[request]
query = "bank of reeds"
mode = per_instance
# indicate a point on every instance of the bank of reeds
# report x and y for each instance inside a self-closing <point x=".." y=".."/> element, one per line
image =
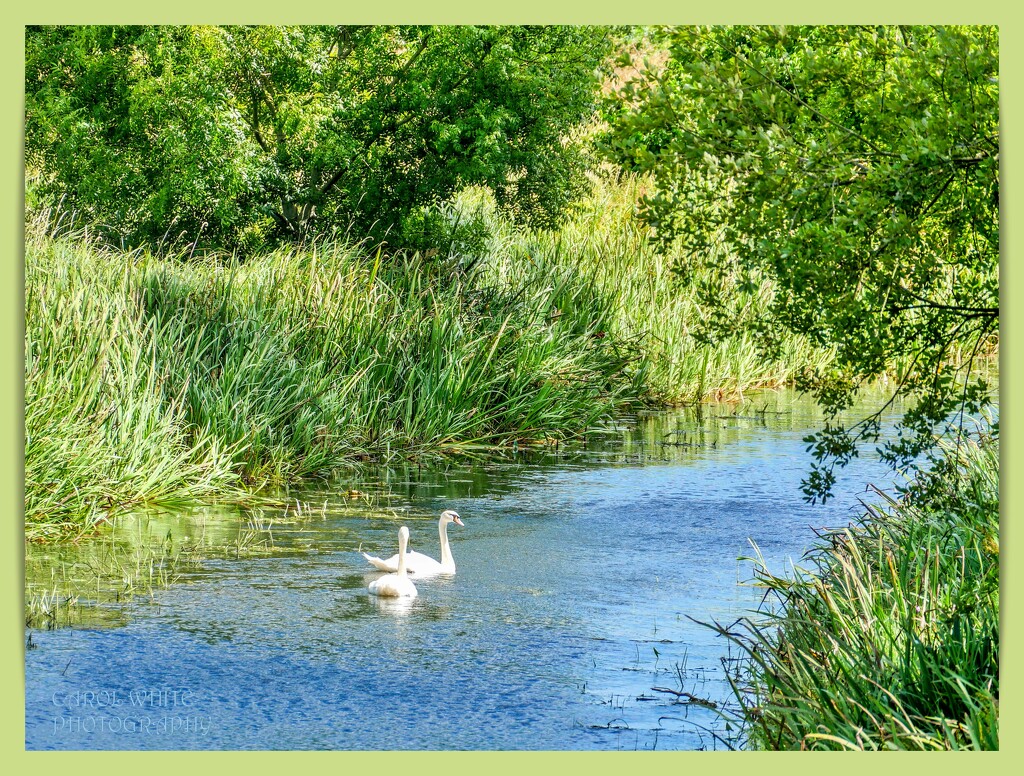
<point x="154" y="381"/>
<point x="181" y="379"/>
<point x="889" y="639"/>
<point x="650" y="299"/>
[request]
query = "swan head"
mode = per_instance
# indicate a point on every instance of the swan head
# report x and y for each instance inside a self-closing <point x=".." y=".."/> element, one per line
<point x="451" y="516"/>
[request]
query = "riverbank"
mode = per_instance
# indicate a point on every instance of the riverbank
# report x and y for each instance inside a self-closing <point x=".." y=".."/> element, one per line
<point x="889" y="637"/>
<point x="156" y="381"/>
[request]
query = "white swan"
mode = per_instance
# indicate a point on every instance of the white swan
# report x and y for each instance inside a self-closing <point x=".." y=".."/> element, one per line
<point x="423" y="565"/>
<point x="397" y="585"/>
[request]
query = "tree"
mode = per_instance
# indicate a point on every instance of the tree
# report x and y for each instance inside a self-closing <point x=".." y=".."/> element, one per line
<point x="245" y="136"/>
<point x="856" y="168"/>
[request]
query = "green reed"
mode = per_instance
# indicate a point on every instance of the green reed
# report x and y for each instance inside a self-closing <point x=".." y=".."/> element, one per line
<point x="890" y="638"/>
<point x="171" y="380"/>
<point x="152" y="381"/>
<point x="651" y="301"/>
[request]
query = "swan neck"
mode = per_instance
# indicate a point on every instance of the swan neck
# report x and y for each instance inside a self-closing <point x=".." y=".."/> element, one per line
<point x="401" y="555"/>
<point x="446" y="551"/>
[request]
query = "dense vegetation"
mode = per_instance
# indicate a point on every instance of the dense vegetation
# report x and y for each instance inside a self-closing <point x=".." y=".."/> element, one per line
<point x="858" y="168"/>
<point x="889" y="637"/>
<point x="153" y="381"/>
<point x="241" y="138"/>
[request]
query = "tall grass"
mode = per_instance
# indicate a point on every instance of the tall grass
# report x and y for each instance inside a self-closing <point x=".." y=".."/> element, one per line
<point x="103" y="427"/>
<point x="891" y="640"/>
<point x="650" y="300"/>
<point x="164" y="380"/>
<point x="154" y="381"/>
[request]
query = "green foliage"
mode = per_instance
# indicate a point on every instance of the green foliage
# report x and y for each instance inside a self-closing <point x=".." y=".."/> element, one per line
<point x="605" y="245"/>
<point x="151" y="380"/>
<point x="892" y="641"/>
<point x="102" y="426"/>
<point x="858" y="167"/>
<point x="158" y="382"/>
<point x="449" y="230"/>
<point x="237" y="138"/>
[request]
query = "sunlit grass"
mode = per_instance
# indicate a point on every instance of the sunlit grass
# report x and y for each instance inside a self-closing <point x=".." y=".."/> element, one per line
<point x="151" y="381"/>
<point x="652" y="299"/>
<point x="890" y="638"/>
<point x="167" y="381"/>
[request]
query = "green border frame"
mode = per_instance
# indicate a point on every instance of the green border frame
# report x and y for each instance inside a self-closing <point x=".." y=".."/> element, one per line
<point x="1000" y="12"/>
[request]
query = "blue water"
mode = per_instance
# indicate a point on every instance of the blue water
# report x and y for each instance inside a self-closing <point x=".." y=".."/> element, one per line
<point x="577" y="581"/>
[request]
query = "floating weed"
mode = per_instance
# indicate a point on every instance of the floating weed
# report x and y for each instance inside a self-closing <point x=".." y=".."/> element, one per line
<point x="50" y="609"/>
<point x="99" y="584"/>
<point x="97" y="581"/>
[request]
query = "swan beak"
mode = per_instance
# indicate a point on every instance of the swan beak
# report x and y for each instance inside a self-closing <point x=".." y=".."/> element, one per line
<point x="458" y="521"/>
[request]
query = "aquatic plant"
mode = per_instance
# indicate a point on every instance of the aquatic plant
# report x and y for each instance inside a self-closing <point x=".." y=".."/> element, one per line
<point x="179" y="380"/>
<point x="160" y="382"/>
<point x="889" y="639"/>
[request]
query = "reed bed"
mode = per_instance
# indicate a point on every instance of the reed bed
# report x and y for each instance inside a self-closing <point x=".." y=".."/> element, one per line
<point x="889" y="639"/>
<point x="161" y="381"/>
<point x="654" y="298"/>
<point x="150" y="381"/>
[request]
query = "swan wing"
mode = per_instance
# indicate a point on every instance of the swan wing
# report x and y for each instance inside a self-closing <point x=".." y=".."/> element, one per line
<point x="390" y="565"/>
<point x="416" y="563"/>
<point x="422" y="565"/>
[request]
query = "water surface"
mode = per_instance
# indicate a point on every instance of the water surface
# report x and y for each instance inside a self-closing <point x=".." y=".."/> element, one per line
<point x="580" y="575"/>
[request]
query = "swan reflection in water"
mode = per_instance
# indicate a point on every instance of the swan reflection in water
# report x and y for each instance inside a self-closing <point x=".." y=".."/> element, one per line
<point x="399" y="606"/>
